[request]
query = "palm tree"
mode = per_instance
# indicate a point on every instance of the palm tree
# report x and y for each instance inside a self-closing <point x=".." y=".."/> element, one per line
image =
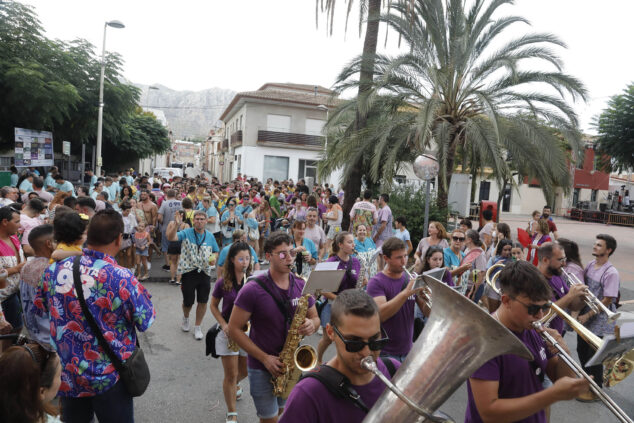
<point x="372" y="10"/>
<point x="461" y="89"/>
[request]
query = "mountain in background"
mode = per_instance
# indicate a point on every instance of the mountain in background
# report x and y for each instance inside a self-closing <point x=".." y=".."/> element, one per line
<point x="189" y="114"/>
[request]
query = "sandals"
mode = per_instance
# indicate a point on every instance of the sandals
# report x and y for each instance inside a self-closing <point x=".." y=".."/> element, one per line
<point x="232" y="414"/>
<point x="239" y="393"/>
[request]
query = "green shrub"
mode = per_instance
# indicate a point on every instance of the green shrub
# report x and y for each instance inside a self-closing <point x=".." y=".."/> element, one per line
<point x="409" y="202"/>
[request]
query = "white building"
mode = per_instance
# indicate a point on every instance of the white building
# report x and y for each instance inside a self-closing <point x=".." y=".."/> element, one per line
<point x="275" y="132"/>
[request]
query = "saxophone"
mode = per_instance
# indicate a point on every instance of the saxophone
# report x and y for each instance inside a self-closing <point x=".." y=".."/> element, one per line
<point x="295" y="358"/>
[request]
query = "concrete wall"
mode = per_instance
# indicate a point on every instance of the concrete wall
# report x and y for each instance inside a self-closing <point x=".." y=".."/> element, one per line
<point x="252" y="161"/>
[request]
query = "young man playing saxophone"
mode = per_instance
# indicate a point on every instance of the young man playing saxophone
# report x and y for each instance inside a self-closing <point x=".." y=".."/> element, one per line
<point x="269" y="303"/>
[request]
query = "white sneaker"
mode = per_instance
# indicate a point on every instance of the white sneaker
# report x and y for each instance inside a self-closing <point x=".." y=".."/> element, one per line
<point x="198" y="333"/>
<point x="185" y="325"/>
<point x="149" y="265"/>
<point x="320" y="331"/>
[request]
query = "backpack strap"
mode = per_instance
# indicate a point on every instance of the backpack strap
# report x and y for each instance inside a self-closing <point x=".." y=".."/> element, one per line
<point x="337" y="384"/>
<point x="389" y="364"/>
<point x="283" y="308"/>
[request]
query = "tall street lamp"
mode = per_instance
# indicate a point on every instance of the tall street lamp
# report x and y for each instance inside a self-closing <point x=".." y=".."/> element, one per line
<point x="426" y="168"/>
<point x="118" y="25"/>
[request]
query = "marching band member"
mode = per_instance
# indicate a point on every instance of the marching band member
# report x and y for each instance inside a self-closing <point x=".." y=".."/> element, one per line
<point x="508" y="388"/>
<point x="342" y="247"/>
<point x="355" y="329"/>
<point x="393" y="293"/>
<point x="269" y="302"/>
<point x="226" y="288"/>
<point x="602" y="280"/>
<point x="551" y="259"/>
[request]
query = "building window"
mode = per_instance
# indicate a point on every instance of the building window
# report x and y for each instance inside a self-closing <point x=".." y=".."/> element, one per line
<point x="575" y="197"/>
<point x="485" y="189"/>
<point x="315" y="127"/>
<point x="278" y="123"/>
<point x="240" y="122"/>
<point x="593" y="195"/>
<point x="307" y="168"/>
<point x="276" y="168"/>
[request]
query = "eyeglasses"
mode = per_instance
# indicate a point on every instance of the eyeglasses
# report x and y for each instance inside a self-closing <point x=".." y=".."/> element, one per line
<point x="562" y="259"/>
<point x="231" y="205"/>
<point x="354" y="346"/>
<point x="284" y="254"/>
<point x="458" y="238"/>
<point x="533" y="309"/>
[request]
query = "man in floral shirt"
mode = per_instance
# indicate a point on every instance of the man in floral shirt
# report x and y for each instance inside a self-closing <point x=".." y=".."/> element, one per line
<point x="119" y="304"/>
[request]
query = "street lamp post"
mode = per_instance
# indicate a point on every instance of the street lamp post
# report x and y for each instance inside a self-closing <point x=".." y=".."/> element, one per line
<point x="426" y="168"/>
<point x="114" y="24"/>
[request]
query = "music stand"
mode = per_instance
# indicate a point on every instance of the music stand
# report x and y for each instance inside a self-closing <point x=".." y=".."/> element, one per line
<point x="323" y="281"/>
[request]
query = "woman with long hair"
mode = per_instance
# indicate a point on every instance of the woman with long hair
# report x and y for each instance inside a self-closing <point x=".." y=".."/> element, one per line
<point x="174" y="249"/>
<point x="126" y="194"/>
<point x="437" y="236"/>
<point x="30" y="377"/>
<point x="474" y="257"/>
<point x="342" y="250"/>
<point x="333" y="218"/>
<point x="539" y="237"/>
<point x="234" y="360"/>
<point x="57" y="200"/>
<point x="501" y="231"/>
<point x="307" y="254"/>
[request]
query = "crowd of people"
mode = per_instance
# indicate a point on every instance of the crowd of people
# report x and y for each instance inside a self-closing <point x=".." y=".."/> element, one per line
<point x="251" y="245"/>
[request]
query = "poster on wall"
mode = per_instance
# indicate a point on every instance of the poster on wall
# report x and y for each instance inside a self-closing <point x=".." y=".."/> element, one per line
<point x="33" y="148"/>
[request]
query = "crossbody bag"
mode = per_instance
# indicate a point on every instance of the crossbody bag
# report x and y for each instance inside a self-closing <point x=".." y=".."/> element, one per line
<point x="134" y="372"/>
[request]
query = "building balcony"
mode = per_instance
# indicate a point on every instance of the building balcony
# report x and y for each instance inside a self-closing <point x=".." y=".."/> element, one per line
<point x="289" y="140"/>
<point x="236" y="139"/>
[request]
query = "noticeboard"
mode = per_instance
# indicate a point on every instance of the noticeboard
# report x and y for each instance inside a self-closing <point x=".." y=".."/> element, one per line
<point x="33" y="148"/>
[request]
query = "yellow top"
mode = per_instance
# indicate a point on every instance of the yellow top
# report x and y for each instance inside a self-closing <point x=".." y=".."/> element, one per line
<point x="66" y="247"/>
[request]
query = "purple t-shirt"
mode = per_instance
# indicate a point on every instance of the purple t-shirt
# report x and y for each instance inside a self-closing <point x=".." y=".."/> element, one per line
<point x="399" y="327"/>
<point x="517" y="377"/>
<point x="560" y="289"/>
<point x="268" y="325"/>
<point x="227" y="297"/>
<point x="385" y="215"/>
<point x="350" y="278"/>
<point x="311" y="402"/>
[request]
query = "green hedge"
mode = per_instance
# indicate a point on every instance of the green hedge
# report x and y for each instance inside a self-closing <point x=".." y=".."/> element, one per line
<point x="409" y="201"/>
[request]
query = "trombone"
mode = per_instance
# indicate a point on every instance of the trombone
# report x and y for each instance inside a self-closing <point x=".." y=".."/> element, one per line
<point x="426" y="294"/>
<point x="591" y="300"/>
<point x="592" y="339"/>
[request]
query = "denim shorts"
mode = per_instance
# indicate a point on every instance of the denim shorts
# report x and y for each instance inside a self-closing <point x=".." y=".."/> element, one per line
<point x="267" y="406"/>
<point x="325" y="315"/>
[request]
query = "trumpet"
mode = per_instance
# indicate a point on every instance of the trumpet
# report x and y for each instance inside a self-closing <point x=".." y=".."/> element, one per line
<point x="592" y="339"/>
<point x="426" y="294"/>
<point x="590" y="299"/>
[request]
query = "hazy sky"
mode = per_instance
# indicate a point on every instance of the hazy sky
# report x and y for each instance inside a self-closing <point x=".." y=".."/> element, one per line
<point x="241" y="44"/>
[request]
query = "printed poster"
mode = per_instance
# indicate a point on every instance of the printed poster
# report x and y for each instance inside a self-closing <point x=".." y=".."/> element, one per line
<point x="33" y="148"/>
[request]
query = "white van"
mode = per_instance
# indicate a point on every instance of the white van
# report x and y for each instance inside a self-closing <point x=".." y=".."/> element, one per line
<point x="164" y="172"/>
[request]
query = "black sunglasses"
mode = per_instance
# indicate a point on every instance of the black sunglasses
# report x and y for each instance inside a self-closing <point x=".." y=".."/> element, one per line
<point x="458" y="238"/>
<point x="533" y="309"/>
<point x="356" y="346"/>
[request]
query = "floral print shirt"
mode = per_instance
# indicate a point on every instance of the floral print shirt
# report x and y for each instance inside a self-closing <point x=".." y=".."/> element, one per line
<point x="119" y="304"/>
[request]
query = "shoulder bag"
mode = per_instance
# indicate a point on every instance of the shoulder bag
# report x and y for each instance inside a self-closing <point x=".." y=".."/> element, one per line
<point x="134" y="372"/>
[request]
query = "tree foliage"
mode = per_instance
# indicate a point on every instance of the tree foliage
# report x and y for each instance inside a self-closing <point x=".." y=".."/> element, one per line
<point x="54" y="85"/>
<point x="616" y="132"/>
<point x="465" y="92"/>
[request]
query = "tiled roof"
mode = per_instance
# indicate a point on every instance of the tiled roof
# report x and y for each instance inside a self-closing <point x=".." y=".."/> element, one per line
<point x="289" y="93"/>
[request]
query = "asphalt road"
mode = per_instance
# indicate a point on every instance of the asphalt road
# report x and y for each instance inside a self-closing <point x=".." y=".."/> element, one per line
<point x="187" y="386"/>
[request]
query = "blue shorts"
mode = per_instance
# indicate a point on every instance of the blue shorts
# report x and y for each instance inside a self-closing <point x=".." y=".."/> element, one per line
<point x="13" y="311"/>
<point x="267" y="406"/>
<point x="143" y="252"/>
<point x="325" y="315"/>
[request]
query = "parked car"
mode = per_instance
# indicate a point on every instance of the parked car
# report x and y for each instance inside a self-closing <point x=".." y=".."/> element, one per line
<point x="164" y="172"/>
